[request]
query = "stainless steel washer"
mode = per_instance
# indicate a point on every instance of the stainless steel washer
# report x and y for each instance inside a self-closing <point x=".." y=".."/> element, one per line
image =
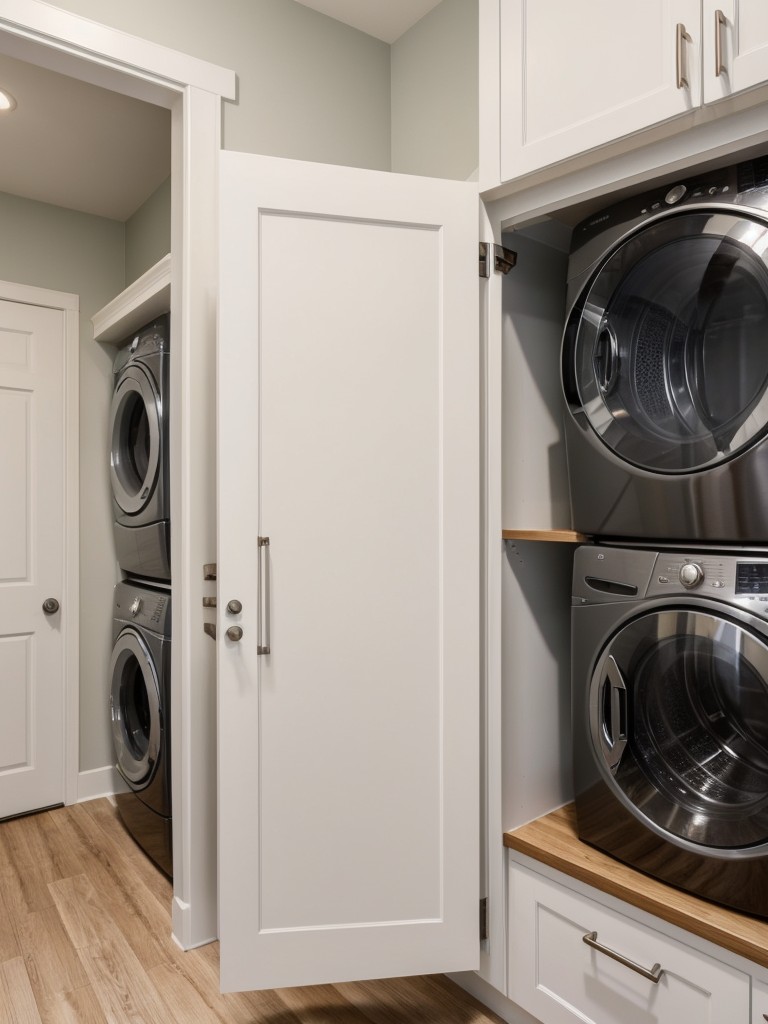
<point x="139" y="429"/>
<point x="140" y="705"/>
<point x="670" y="715"/>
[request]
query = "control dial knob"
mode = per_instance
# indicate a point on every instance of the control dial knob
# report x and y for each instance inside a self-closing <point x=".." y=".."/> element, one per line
<point x="136" y="606"/>
<point x="691" y="575"/>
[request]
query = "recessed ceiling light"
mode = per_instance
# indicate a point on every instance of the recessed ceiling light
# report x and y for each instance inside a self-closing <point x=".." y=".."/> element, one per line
<point x="7" y="102"/>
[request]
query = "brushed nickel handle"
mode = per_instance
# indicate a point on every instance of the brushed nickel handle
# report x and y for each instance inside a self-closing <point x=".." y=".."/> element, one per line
<point x="652" y="975"/>
<point x="235" y="634"/>
<point x="720" y="22"/>
<point x="681" y="37"/>
<point x="50" y="606"/>
<point x="263" y="612"/>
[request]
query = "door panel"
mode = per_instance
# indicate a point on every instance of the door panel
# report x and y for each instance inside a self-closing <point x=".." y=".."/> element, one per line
<point x="736" y="31"/>
<point x="31" y="556"/>
<point x="348" y="434"/>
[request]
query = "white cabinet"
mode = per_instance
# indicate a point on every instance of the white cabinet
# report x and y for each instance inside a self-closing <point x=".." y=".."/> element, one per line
<point x="759" y="1002"/>
<point x="735" y="46"/>
<point x="575" y="77"/>
<point x="559" y="977"/>
<point x="348" y="668"/>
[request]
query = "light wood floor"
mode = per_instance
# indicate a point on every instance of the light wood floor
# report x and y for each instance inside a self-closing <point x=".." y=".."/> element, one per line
<point x="85" y="939"/>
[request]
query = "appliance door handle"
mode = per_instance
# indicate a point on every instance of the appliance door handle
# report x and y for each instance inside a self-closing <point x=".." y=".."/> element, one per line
<point x="681" y="65"/>
<point x="606" y="359"/>
<point x="614" y="731"/>
<point x="720" y="22"/>
<point x="652" y="975"/>
<point x="262" y="639"/>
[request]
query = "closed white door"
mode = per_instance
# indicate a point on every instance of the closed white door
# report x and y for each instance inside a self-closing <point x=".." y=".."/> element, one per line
<point x="32" y="535"/>
<point x="575" y="76"/>
<point x="348" y="708"/>
<point x="735" y="54"/>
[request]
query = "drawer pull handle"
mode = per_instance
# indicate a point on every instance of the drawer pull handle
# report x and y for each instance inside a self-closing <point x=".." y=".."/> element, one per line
<point x="653" y="975"/>
<point x="681" y="38"/>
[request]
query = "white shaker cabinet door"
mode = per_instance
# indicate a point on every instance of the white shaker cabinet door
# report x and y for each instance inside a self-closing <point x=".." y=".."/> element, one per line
<point x="348" y="707"/>
<point x="735" y="55"/>
<point x="575" y="76"/>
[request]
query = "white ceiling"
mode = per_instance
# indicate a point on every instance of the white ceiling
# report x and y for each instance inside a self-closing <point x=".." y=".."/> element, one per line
<point x="384" y="19"/>
<point x="78" y="146"/>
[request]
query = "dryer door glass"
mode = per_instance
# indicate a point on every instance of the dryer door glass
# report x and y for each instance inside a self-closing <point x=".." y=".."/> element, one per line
<point x="693" y="758"/>
<point x="135" y="708"/>
<point x="668" y="343"/>
<point x="135" y="431"/>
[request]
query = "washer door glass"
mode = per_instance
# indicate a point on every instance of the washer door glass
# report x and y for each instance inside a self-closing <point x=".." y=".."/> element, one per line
<point x="678" y="708"/>
<point x="135" y="708"/>
<point x="135" y="431"/>
<point x="668" y="343"/>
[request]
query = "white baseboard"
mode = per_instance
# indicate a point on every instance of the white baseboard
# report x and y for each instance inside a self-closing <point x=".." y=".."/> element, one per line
<point x="492" y="998"/>
<point x="99" y="782"/>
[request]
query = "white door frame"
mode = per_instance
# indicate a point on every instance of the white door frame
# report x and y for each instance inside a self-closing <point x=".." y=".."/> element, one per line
<point x="192" y="89"/>
<point x="70" y="305"/>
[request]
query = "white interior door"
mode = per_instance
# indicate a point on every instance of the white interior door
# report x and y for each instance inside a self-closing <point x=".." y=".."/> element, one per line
<point x="348" y="435"/>
<point x="32" y="556"/>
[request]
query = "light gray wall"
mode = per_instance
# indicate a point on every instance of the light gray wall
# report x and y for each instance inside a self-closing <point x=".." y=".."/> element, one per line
<point x="54" y="248"/>
<point x="148" y="233"/>
<point x="308" y="86"/>
<point x="435" y="93"/>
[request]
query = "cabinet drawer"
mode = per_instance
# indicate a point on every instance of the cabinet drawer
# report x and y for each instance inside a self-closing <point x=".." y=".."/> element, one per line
<point x="559" y="978"/>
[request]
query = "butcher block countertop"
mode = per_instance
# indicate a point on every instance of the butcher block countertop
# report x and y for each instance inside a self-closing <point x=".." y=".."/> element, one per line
<point x="552" y="840"/>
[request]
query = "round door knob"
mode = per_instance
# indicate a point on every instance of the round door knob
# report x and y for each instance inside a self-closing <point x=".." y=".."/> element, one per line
<point x="234" y="633"/>
<point x="691" y="575"/>
<point x="234" y="607"/>
<point x="50" y="606"/>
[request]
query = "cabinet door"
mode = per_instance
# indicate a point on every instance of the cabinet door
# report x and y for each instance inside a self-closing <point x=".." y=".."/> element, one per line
<point x="560" y="979"/>
<point x="735" y="54"/>
<point x="578" y="75"/>
<point x="348" y="709"/>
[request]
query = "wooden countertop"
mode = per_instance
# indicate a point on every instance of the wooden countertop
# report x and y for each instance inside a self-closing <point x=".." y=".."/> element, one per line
<point x="553" y="841"/>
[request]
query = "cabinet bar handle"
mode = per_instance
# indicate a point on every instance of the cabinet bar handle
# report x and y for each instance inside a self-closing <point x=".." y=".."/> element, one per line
<point x="681" y="37"/>
<point x="720" y="23"/>
<point x="263" y="648"/>
<point x="653" y="975"/>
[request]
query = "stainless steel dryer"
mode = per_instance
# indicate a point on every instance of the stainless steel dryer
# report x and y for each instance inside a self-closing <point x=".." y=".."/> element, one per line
<point x="139" y="429"/>
<point x="140" y="703"/>
<point x="665" y="362"/>
<point x="670" y="715"/>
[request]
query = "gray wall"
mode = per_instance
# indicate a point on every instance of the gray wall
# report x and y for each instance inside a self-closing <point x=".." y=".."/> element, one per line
<point x="76" y="252"/>
<point x="148" y="233"/>
<point x="308" y="86"/>
<point x="435" y="93"/>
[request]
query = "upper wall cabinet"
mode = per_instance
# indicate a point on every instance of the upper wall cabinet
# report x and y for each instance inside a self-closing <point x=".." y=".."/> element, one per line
<point x="574" y="77"/>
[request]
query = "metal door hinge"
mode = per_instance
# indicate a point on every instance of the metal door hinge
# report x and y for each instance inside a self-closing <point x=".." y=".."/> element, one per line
<point x="209" y="571"/>
<point x="503" y="259"/>
<point x="484" y="919"/>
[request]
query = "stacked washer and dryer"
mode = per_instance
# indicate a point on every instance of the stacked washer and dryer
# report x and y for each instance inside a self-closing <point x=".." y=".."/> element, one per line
<point x="665" y="375"/>
<point x="140" y="669"/>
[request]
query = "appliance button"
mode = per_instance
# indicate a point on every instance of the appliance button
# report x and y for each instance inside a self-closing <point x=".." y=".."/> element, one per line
<point x="691" y="575"/>
<point x="726" y="188"/>
<point x="717" y="583"/>
<point x="655" y="206"/>
<point x="675" y="194"/>
<point x="663" y="579"/>
<point x="697" y="192"/>
<point x="713" y="190"/>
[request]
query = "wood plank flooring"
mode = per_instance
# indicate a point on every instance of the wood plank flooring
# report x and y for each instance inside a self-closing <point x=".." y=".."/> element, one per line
<point x="85" y="938"/>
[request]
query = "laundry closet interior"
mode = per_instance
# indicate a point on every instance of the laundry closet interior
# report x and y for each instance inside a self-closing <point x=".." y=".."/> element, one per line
<point x="497" y="546"/>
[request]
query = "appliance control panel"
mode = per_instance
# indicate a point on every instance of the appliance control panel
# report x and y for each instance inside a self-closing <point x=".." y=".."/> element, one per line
<point x="149" y="609"/>
<point x="608" y="574"/>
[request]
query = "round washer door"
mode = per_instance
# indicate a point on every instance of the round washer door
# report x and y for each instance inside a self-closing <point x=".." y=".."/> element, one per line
<point x="678" y="716"/>
<point x="135" y="708"/>
<point x="666" y="347"/>
<point x="135" y="432"/>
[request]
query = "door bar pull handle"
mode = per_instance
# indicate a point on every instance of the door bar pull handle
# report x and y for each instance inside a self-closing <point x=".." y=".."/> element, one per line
<point x="652" y="975"/>
<point x="681" y="37"/>
<point x="720" y="22"/>
<point x="262" y="640"/>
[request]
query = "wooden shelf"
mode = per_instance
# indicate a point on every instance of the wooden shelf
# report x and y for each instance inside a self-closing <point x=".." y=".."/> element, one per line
<point x="556" y="536"/>
<point x="553" y="840"/>
<point x="146" y="298"/>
